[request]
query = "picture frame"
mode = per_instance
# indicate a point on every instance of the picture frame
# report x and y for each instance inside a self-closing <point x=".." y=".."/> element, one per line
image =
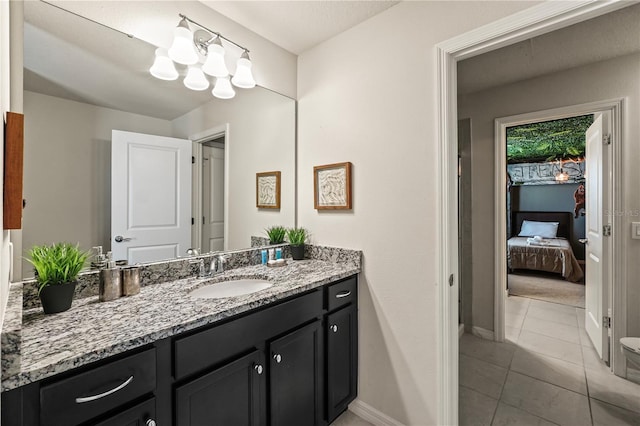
<point x="332" y="186"/>
<point x="268" y="190"/>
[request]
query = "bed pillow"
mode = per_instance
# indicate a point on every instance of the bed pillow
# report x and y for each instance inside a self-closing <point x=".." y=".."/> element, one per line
<point x="531" y="228"/>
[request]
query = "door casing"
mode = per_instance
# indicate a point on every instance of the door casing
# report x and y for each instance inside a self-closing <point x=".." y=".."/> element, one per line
<point x="617" y="287"/>
<point x="528" y="23"/>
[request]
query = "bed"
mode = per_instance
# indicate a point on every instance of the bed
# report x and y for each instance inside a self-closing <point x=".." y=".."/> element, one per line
<point x="553" y="255"/>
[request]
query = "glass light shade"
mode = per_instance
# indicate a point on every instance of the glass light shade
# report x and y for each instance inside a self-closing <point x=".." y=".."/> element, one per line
<point x="215" y="65"/>
<point x="163" y="67"/>
<point x="195" y="79"/>
<point x="562" y="176"/>
<point x="243" y="77"/>
<point x="183" y="50"/>
<point x="223" y="88"/>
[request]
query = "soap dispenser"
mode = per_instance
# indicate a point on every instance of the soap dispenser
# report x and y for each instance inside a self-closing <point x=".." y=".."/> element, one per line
<point x="99" y="260"/>
<point x="110" y="287"/>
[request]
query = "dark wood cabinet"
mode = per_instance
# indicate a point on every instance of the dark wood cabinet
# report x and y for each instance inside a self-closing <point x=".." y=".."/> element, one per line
<point x="295" y="384"/>
<point x="342" y="359"/>
<point x="142" y="414"/>
<point x="230" y="395"/>
<point x="293" y="362"/>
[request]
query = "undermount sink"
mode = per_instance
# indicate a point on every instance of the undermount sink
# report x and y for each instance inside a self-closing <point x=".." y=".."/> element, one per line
<point x="231" y="288"/>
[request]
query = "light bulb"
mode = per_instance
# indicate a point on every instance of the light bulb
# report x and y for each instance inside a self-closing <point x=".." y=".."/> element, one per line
<point x="215" y="65"/>
<point x="183" y="50"/>
<point x="195" y="79"/>
<point x="243" y="77"/>
<point x="223" y="88"/>
<point x="163" y="67"/>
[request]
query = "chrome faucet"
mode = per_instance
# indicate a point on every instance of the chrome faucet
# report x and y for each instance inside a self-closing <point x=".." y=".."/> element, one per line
<point x="202" y="273"/>
<point x="217" y="264"/>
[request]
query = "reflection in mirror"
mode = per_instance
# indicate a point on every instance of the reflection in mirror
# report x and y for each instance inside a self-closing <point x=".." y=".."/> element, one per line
<point x="77" y="90"/>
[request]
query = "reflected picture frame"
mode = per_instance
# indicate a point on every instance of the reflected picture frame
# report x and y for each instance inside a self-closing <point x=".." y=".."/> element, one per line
<point x="268" y="190"/>
<point x="332" y="187"/>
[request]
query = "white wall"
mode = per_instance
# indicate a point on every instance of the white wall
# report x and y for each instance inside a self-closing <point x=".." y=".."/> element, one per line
<point x="616" y="78"/>
<point x="261" y="139"/>
<point x="369" y="96"/>
<point x="67" y="169"/>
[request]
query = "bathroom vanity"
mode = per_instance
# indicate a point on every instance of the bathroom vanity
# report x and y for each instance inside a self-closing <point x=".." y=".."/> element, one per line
<point x="283" y="356"/>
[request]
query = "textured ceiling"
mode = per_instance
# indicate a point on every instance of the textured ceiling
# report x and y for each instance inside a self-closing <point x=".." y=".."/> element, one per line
<point x="299" y="25"/>
<point x="608" y="36"/>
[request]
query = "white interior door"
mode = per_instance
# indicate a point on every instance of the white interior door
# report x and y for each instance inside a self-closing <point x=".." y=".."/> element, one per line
<point x="596" y="250"/>
<point x="150" y="197"/>
<point x="212" y="198"/>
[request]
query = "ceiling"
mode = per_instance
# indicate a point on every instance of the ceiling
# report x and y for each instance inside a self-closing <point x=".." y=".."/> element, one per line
<point x="605" y="37"/>
<point x="298" y="26"/>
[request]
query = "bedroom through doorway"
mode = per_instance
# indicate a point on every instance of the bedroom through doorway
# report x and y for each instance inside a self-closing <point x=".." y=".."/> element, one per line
<point x="546" y="210"/>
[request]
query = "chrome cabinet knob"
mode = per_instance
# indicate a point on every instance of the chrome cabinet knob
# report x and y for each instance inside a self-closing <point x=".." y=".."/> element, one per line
<point x="278" y="358"/>
<point x="334" y="328"/>
<point x="150" y="422"/>
<point x="258" y="369"/>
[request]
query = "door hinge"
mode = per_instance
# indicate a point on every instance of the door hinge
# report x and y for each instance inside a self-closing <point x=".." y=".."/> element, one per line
<point x="193" y="160"/>
<point x="606" y="231"/>
<point x="606" y="139"/>
<point x="606" y="322"/>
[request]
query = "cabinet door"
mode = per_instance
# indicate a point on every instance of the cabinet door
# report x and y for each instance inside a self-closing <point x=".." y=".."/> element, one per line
<point x="295" y="388"/>
<point x="142" y="414"/>
<point x="342" y="360"/>
<point x="230" y="395"/>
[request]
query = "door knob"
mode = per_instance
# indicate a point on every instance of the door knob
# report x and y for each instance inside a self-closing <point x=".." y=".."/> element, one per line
<point x="584" y="240"/>
<point x="120" y="238"/>
<point x="278" y="358"/>
<point x="334" y="328"/>
<point x="258" y="368"/>
<point x="150" y="422"/>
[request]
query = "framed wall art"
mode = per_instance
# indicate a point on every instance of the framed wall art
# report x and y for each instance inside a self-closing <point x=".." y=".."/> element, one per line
<point x="268" y="190"/>
<point x="332" y="186"/>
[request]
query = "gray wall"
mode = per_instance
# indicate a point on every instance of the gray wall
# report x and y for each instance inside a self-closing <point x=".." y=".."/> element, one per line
<point x="611" y="79"/>
<point x="550" y="198"/>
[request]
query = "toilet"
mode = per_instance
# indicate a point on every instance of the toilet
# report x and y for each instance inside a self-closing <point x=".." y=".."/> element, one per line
<point x="631" y="349"/>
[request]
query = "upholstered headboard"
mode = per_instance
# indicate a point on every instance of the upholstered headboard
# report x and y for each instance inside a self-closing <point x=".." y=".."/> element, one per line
<point x="563" y="219"/>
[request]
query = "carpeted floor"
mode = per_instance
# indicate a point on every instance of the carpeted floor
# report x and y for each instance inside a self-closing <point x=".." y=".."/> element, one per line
<point x="546" y="287"/>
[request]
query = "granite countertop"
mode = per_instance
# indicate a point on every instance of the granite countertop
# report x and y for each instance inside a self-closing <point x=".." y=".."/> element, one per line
<point x="43" y="346"/>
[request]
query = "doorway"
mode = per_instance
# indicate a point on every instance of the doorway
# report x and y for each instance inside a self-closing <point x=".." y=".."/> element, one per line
<point x="600" y="179"/>
<point x="529" y="23"/>
<point x="209" y="190"/>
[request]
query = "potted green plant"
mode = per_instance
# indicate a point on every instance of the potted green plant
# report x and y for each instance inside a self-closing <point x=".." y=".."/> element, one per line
<point x="297" y="237"/>
<point x="276" y="234"/>
<point x="57" y="267"/>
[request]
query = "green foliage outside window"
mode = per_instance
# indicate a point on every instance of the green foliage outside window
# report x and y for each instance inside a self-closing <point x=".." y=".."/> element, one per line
<point x="548" y="141"/>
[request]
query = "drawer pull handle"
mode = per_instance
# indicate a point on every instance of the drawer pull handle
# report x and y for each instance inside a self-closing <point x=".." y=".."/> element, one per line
<point x="102" y="395"/>
<point x="343" y="294"/>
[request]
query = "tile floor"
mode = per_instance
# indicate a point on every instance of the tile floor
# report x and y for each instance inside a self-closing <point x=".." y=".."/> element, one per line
<point x="546" y="373"/>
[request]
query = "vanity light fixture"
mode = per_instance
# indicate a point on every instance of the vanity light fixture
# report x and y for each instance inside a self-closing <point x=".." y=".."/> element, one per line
<point x="189" y="48"/>
<point x="163" y="67"/>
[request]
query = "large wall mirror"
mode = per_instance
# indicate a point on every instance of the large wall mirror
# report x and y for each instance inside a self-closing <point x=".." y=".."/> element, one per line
<point x="82" y="81"/>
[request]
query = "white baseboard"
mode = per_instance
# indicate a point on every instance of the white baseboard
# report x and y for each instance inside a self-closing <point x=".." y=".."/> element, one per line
<point x="370" y="414"/>
<point x="482" y="332"/>
<point x="460" y="330"/>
